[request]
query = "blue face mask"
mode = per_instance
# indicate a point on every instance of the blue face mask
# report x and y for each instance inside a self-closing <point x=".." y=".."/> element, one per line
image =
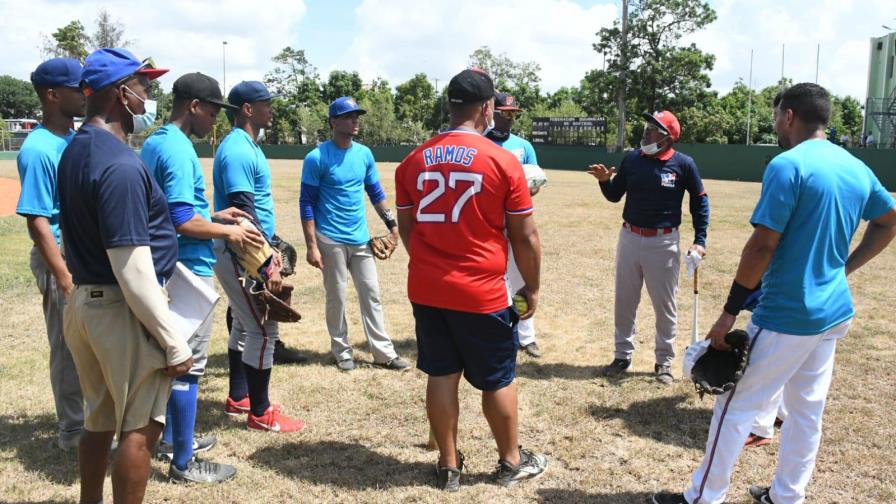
<point x="142" y="122"/>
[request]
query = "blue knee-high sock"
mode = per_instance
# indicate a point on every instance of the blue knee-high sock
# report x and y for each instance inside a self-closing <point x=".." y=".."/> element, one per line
<point x="167" y="433"/>
<point x="258" y="380"/>
<point x="182" y="406"/>
<point x="238" y="387"/>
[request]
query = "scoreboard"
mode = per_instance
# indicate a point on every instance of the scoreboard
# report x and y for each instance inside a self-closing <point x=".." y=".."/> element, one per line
<point x="569" y="130"/>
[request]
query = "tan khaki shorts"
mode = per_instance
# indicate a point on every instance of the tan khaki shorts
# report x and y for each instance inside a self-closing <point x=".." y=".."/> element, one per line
<point x="118" y="361"/>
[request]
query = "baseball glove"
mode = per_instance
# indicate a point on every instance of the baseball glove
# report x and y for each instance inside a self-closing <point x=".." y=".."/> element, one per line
<point x="288" y="255"/>
<point x="279" y="306"/>
<point x="717" y="372"/>
<point x="382" y="246"/>
<point x="259" y="263"/>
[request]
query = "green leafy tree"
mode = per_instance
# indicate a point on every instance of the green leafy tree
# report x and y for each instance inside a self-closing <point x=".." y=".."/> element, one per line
<point x="379" y="126"/>
<point x="519" y="78"/>
<point x="415" y="100"/>
<point x="846" y="116"/>
<point x="68" y="41"/>
<point x="661" y="73"/>
<point x="294" y="77"/>
<point x="17" y="98"/>
<point x="342" y="83"/>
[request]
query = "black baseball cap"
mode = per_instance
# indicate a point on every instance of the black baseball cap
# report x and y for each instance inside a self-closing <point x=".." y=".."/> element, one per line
<point x="471" y="86"/>
<point x="197" y="86"/>
<point x="506" y="101"/>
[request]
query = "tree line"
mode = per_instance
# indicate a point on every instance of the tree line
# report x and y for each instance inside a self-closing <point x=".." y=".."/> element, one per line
<point x="660" y="72"/>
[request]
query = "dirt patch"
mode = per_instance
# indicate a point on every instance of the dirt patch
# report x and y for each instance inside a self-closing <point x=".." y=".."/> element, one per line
<point x="9" y="196"/>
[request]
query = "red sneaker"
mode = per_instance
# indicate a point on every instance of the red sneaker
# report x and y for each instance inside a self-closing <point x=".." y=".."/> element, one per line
<point x="274" y="420"/>
<point x="236" y="408"/>
<point x="754" y="441"/>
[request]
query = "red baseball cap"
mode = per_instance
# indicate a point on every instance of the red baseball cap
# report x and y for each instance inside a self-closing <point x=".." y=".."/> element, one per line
<point x="665" y="121"/>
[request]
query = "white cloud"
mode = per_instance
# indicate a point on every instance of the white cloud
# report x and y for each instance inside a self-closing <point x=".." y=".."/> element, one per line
<point x="185" y="36"/>
<point x="396" y="40"/>
<point x="842" y="27"/>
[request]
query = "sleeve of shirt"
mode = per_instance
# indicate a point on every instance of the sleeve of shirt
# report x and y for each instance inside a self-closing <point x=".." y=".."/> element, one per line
<point x="239" y="173"/>
<point x="177" y="179"/>
<point x="699" y="204"/>
<point x="518" y="200"/>
<point x="879" y="201"/>
<point x="780" y="191"/>
<point x="37" y="197"/>
<point x="371" y="176"/>
<point x="403" y="199"/>
<point x="529" y="156"/>
<point x="311" y="169"/>
<point x="122" y="201"/>
<point x="614" y="189"/>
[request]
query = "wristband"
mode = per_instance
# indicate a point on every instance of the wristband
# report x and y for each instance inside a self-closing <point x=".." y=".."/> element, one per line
<point x="737" y="296"/>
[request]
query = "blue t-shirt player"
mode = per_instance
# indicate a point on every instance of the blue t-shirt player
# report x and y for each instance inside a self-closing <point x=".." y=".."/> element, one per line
<point x="335" y="177"/>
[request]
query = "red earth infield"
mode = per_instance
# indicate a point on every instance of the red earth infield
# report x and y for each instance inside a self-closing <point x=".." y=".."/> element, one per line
<point x="9" y="196"/>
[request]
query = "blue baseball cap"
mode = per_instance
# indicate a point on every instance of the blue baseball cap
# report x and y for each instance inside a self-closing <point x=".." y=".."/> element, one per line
<point x="249" y="92"/>
<point x="344" y="105"/>
<point x="65" y="72"/>
<point x="105" y="67"/>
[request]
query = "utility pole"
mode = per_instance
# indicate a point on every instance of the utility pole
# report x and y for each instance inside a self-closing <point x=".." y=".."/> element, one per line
<point x="817" y="57"/>
<point x="224" y="67"/>
<point x="620" y="92"/>
<point x="750" y="99"/>
<point x="439" y="97"/>
<point x="782" y="66"/>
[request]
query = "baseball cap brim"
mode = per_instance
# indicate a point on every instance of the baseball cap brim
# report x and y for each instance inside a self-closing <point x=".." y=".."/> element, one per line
<point x="220" y="102"/>
<point x="656" y="122"/>
<point x="509" y="107"/>
<point x="151" y="73"/>
<point x="358" y="110"/>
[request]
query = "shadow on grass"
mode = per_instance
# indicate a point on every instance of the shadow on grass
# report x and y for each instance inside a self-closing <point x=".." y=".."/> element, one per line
<point x="665" y="420"/>
<point x="349" y="465"/>
<point x="550" y="495"/>
<point x="530" y="368"/>
<point x="32" y="438"/>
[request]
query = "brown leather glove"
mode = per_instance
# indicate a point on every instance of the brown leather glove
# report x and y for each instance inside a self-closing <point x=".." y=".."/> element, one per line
<point x="279" y="306"/>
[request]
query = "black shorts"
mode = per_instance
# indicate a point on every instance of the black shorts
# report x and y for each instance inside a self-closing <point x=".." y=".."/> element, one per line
<point x="482" y="345"/>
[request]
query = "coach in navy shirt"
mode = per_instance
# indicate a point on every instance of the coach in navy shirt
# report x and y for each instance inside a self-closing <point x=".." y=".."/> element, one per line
<point x="655" y="177"/>
<point x="121" y="247"/>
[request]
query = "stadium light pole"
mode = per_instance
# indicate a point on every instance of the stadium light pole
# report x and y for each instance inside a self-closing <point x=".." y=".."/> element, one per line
<point x="224" y="66"/>
<point x="750" y="98"/>
<point x="620" y="93"/>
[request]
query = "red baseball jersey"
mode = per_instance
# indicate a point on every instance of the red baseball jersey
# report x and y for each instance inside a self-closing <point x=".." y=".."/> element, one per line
<point x="459" y="186"/>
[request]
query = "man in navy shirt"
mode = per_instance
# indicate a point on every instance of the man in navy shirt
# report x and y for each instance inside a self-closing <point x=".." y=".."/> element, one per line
<point x="57" y="83"/>
<point x="121" y="247"/>
<point x="655" y="177"/>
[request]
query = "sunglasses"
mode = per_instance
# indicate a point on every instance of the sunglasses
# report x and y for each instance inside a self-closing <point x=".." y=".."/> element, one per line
<point x="507" y="114"/>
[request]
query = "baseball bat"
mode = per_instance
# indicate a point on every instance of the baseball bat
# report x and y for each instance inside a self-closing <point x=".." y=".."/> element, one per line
<point x="694" y="335"/>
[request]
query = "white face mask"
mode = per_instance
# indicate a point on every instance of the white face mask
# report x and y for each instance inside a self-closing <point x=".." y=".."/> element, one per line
<point x="650" y="149"/>
<point x="142" y="122"/>
<point x="260" y="136"/>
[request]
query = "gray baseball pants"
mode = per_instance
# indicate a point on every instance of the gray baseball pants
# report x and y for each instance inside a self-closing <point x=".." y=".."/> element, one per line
<point x="251" y="333"/>
<point x="653" y="261"/>
<point x="200" y="340"/>
<point x="63" y="374"/>
<point x="340" y="260"/>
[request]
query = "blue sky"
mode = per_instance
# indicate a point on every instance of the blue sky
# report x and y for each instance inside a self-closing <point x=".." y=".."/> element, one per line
<point x="394" y="39"/>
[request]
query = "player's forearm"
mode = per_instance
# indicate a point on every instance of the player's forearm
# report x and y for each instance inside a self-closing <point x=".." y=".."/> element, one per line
<point x="309" y="231"/>
<point x="386" y="214"/>
<point x="877" y="236"/>
<point x="754" y="261"/>
<point x="699" y="207"/>
<point x="134" y="270"/>
<point x="405" y="227"/>
<point x="527" y="254"/>
<point x="201" y="229"/>
<point x="45" y="242"/>
<point x="612" y="189"/>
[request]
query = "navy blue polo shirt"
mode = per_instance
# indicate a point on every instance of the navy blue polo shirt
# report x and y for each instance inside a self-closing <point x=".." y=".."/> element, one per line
<point x="656" y="187"/>
<point x="108" y="199"/>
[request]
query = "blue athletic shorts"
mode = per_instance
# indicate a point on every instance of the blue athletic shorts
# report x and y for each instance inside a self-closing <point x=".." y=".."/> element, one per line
<point x="482" y="345"/>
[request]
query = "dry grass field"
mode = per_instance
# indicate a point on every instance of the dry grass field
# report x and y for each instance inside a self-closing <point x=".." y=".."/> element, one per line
<point x="608" y="441"/>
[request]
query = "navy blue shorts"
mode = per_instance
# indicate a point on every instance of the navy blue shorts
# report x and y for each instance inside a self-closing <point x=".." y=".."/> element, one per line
<point x="482" y="345"/>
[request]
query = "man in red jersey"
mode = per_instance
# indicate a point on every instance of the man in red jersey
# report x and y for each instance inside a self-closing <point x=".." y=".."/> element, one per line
<point x="456" y="195"/>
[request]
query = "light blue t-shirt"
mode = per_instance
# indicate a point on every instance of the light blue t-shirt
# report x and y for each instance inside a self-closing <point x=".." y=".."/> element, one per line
<point x="340" y="176"/>
<point x="37" y="161"/>
<point x="815" y="195"/>
<point x="240" y="166"/>
<point x="521" y="148"/>
<point x="170" y="157"/>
